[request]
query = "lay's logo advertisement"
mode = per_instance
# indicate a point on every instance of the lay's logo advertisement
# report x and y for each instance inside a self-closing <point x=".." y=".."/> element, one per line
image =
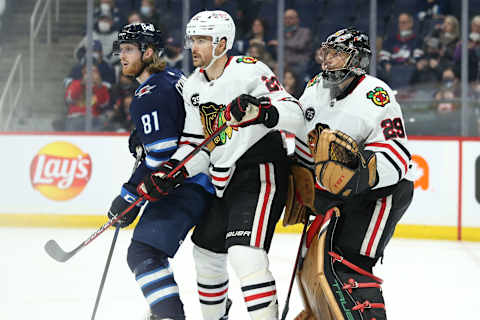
<point x="60" y="171"/>
<point x="423" y="172"/>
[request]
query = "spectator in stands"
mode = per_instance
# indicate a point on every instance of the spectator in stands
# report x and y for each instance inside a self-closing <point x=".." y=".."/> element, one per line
<point x="103" y="32"/>
<point x="75" y="98"/>
<point x="106" y="71"/>
<point x="298" y="42"/>
<point x="258" y="35"/>
<point x="257" y="50"/>
<point x="134" y="17"/>
<point x="430" y="13"/>
<point x="314" y="66"/>
<point x="173" y="54"/>
<point x="473" y="51"/>
<point x="399" y="53"/>
<point x="108" y="8"/>
<point x="151" y="14"/>
<point x="118" y="119"/>
<point x="427" y="72"/>
<point x="292" y="83"/>
<point x="449" y="34"/>
<point x="449" y="90"/>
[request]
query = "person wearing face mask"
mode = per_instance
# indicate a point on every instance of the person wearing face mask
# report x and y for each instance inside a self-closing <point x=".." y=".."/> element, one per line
<point x="105" y="69"/>
<point x="448" y="32"/>
<point x="103" y="32"/>
<point x="473" y="51"/>
<point x="173" y="53"/>
<point x="108" y="8"/>
<point x="400" y="53"/>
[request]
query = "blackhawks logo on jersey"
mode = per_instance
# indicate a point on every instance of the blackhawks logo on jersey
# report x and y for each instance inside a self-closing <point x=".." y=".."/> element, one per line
<point x="246" y="60"/>
<point x="212" y="118"/>
<point x="379" y="96"/>
<point x="313" y="81"/>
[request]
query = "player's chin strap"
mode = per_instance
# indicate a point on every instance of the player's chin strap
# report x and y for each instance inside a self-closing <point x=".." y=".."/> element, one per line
<point x="215" y="57"/>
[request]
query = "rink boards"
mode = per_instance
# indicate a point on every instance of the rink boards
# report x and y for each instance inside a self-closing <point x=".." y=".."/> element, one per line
<point x="70" y="180"/>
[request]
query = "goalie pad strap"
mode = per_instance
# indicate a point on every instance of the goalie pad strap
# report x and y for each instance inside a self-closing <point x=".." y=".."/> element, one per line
<point x="337" y="257"/>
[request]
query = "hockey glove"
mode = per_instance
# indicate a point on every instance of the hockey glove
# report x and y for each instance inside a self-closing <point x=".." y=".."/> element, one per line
<point x="158" y="184"/>
<point x="246" y="110"/>
<point x="122" y="202"/>
<point x="133" y="143"/>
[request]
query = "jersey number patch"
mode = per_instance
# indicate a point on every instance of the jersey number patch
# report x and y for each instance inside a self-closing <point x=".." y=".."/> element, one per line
<point x="393" y="128"/>
<point x="150" y="122"/>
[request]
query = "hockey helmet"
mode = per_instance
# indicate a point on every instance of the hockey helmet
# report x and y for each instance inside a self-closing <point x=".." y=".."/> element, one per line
<point x="216" y="24"/>
<point x="143" y="34"/>
<point x="355" y="46"/>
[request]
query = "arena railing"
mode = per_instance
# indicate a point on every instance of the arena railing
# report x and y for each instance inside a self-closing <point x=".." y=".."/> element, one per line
<point x="9" y="97"/>
<point x="36" y="24"/>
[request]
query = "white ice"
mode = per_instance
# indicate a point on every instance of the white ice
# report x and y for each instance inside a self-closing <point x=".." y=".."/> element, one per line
<point x="423" y="279"/>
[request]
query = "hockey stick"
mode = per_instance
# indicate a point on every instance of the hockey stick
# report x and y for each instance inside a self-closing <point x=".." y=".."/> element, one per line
<point x="295" y="267"/>
<point x="104" y="276"/>
<point x="57" y="253"/>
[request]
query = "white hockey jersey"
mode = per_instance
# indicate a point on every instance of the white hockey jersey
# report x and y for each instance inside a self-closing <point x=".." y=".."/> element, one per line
<point x="204" y="101"/>
<point x="369" y="114"/>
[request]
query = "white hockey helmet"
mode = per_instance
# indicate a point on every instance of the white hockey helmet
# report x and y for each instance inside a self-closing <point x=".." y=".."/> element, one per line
<point x="216" y="24"/>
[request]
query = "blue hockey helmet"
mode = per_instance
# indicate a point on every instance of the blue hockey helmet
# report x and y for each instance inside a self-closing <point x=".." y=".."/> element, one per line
<point x="143" y="34"/>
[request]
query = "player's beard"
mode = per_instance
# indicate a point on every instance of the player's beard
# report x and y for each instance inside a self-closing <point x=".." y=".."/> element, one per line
<point x="132" y="69"/>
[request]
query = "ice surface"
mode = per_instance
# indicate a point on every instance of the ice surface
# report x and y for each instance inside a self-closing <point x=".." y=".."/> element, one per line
<point x="423" y="279"/>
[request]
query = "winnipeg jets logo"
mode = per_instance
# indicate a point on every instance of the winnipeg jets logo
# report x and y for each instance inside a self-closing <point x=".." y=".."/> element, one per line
<point x="144" y="90"/>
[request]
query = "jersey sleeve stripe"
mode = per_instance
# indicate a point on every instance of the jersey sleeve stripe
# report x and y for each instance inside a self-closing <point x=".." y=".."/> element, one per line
<point x="394" y="164"/>
<point x="162" y="145"/>
<point x="153" y="163"/>
<point x="191" y="135"/>
<point x="391" y="149"/>
<point x="402" y="147"/>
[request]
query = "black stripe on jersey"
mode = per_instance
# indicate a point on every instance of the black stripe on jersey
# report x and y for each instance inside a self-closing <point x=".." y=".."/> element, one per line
<point x="219" y="188"/>
<point x="191" y="135"/>
<point x="258" y="285"/>
<point x="302" y="143"/>
<point x="211" y="302"/>
<point x="258" y="306"/>
<point x="219" y="169"/>
<point x="395" y="165"/>
<point x="403" y="149"/>
<point x="205" y="149"/>
<point x="212" y="286"/>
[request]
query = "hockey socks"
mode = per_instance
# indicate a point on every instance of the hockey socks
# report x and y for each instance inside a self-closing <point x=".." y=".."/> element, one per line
<point x="212" y="281"/>
<point x="155" y="278"/>
<point x="258" y="285"/>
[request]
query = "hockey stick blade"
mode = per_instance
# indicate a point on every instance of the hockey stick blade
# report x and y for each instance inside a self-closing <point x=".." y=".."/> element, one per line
<point x="57" y="253"/>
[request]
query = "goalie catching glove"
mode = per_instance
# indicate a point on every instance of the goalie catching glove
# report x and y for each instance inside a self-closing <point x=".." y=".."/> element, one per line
<point x="159" y="184"/>
<point x="340" y="165"/>
<point x="246" y="110"/>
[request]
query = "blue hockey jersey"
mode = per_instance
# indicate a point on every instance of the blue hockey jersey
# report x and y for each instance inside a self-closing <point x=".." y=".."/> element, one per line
<point x="158" y="113"/>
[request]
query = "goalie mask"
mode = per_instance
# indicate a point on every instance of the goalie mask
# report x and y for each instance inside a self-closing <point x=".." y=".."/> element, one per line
<point x="215" y="24"/>
<point x="344" y="54"/>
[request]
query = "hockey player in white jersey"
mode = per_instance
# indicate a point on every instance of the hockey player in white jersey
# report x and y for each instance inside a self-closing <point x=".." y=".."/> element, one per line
<point x="248" y="163"/>
<point x="355" y="146"/>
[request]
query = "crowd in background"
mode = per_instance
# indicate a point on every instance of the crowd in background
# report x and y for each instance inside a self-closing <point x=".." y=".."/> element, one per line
<point x="418" y="45"/>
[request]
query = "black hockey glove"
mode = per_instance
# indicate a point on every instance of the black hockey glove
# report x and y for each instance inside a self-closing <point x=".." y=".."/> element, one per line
<point x="246" y="110"/>
<point x="133" y="143"/>
<point x="122" y="202"/>
<point x="158" y="184"/>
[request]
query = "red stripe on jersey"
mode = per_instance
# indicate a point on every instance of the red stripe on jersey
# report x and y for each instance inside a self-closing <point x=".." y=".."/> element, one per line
<point x="220" y="179"/>
<point x="185" y="142"/>
<point x="260" y="295"/>
<point x="377" y="225"/>
<point x="215" y="294"/>
<point x="389" y="147"/>
<point x="304" y="152"/>
<point x="268" y="188"/>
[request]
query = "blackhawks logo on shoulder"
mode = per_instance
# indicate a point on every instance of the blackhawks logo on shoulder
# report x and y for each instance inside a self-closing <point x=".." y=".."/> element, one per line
<point x="379" y="96"/>
<point x="212" y="117"/>
<point x="246" y="60"/>
<point x="313" y="81"/>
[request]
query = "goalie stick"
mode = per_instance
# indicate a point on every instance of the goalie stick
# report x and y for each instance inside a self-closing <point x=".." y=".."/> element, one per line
<point x="56" y="252"/>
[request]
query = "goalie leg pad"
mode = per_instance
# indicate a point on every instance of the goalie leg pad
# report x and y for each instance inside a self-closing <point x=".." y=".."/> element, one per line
<point x="300" y="195"/>
<point x="334" y="288"/>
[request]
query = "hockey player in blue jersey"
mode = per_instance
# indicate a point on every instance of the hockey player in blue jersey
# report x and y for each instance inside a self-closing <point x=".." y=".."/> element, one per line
<point x="157" y="111"/>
